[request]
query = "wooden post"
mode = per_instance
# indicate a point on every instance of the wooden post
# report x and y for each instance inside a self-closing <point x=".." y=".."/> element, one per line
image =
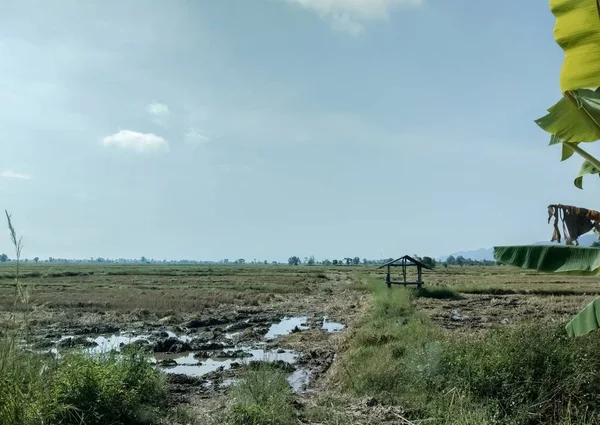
<point x="404" y="270"/>
<point x="387" y="278"/>
<point x="419" y="283"/>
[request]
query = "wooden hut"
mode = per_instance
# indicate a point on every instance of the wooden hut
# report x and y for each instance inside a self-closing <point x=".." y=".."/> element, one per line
<point x="404" y="263"/>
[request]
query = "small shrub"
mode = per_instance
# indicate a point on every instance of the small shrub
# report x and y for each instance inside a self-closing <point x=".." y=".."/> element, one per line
<point x="108" y="389"/>
<point x="262" y="397"/>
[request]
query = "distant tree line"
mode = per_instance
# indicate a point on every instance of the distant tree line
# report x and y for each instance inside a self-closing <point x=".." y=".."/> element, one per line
<point x="462" y="261"/>
<point x="292" y="261"/>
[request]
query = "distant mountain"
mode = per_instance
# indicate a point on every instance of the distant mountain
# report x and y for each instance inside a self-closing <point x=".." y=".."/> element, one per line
<point x="488" y="253"/>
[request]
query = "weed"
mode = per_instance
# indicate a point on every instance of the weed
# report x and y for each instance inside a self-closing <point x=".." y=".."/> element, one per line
<point x="532" y="374"/>
<point x="528" y="374"/>
<point x="108" y="389"/>
<point x="262" y="397"/>
<point x="76" y="389"/>
<point x="438" y="292"/>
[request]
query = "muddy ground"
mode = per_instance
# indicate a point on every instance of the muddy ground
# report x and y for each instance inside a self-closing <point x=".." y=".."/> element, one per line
<point x="223" y="322"/>
<point x="478" y="312"/>
<point x="201" y="325"/>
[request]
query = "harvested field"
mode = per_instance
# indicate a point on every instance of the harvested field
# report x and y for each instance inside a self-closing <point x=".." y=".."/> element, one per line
<point x="199" y="323"/>
<point x="496" y="296"/>
<point x="206" y="326"/>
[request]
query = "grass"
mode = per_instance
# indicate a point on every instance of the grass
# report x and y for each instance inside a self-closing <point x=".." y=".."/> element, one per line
<point x="159" y="288"/>
<point x="262" y="397"/>
<point x="75" y="389"/>
<point x="438" y="292"/>
<point x="527" y="374"/>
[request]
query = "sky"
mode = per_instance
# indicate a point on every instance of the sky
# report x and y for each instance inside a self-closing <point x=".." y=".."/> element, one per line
<point x="270" y="128"/>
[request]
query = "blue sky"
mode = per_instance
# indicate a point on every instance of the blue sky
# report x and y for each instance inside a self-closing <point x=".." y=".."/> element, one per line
<point x="269" y="128"/>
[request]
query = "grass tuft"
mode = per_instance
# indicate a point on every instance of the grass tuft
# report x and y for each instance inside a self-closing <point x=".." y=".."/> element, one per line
<point x="438" y="292"/>
<point x="262" y="397"/>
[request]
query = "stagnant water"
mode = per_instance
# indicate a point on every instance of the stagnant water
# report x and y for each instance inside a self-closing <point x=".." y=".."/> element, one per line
<point x="286" y="326"/>
<point x="188" y="364"/>
<point x="331" y="326"/>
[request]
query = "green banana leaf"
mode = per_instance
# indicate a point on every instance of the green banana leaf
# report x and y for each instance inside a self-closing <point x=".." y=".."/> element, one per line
<point x="566" y="152"/>
<point x="577" y="32"/>
<point x="586" y="168"/>
<point x="586" y="321"/>
<point x="574" y="119"/>
<point x="551" y="258"/>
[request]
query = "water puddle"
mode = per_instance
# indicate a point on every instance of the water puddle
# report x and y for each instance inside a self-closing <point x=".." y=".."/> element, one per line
<point x="232" y="335"/>
<point x="189" y="365"/>
<point x="200" y="369"/>
<point x="178" y="358"/>
<point x="201" y="363"/>
<point x="286" y="327"/>
<point x="299" y="380"/>
<point x="182" y="338"/>
<point x="331" y="326"/>
<point x="114" y="342"/>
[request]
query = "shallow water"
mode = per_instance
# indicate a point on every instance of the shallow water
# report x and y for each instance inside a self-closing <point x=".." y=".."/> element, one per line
<point x="299" y="380"/>
<point x="286" y="326"/>
<point x="331" y="326"/>
<point x="113" y="342"/>
<point x="182" y="338"/>
<point x="187" y="364"/>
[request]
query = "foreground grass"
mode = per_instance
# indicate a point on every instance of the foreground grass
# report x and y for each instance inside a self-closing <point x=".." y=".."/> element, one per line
<point x="262" y="397"/>
<point x="77" y="389"/>
<point x="530" y="374"/>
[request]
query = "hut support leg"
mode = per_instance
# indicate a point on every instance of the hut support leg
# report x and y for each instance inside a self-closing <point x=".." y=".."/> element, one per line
<point x="388" y="279"/>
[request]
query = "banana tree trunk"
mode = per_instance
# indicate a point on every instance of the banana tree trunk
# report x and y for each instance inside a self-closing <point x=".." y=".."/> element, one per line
<point x="576" y="221"/>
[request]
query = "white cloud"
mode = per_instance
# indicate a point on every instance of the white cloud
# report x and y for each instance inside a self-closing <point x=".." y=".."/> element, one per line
<point x="350" y="15"/>
<point x="158" y="109"/>
<point x="192" y="137"/>
<point x="343" y="23"/>
<point x="139" y="142"/>
<point x="8" y="174"/>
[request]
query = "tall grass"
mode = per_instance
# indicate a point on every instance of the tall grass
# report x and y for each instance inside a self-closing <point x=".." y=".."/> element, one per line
<point x="73" y="390"/>
<point x="524" y="375"/>
<point x="262" y="397"/>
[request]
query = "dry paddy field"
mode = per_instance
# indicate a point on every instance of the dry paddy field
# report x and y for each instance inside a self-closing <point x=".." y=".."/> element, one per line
<point x="203" y="324"/>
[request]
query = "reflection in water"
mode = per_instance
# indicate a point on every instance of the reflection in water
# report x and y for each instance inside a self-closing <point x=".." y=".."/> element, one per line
<point x="286" y="326"/>
<point x="114" y="342"/>
<point x="331" y="326"/>
<point x="299" y="380"/>
<point x="182" y="338"/>
<point x="187" y="364"/>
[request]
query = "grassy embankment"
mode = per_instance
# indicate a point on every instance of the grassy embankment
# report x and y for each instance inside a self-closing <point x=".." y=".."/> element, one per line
<point x="525" y="374"/>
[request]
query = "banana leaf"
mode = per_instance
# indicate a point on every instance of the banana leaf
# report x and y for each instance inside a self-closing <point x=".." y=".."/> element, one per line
<point x="586" y="321"/>
<point x="551" y="258"/>
<point x="575" y="118"/>
<point x="586" y="168"/>
<point x="577" y="32"/>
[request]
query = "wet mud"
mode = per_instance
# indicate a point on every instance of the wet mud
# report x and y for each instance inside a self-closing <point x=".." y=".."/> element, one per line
<point x="202" y="357"/>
